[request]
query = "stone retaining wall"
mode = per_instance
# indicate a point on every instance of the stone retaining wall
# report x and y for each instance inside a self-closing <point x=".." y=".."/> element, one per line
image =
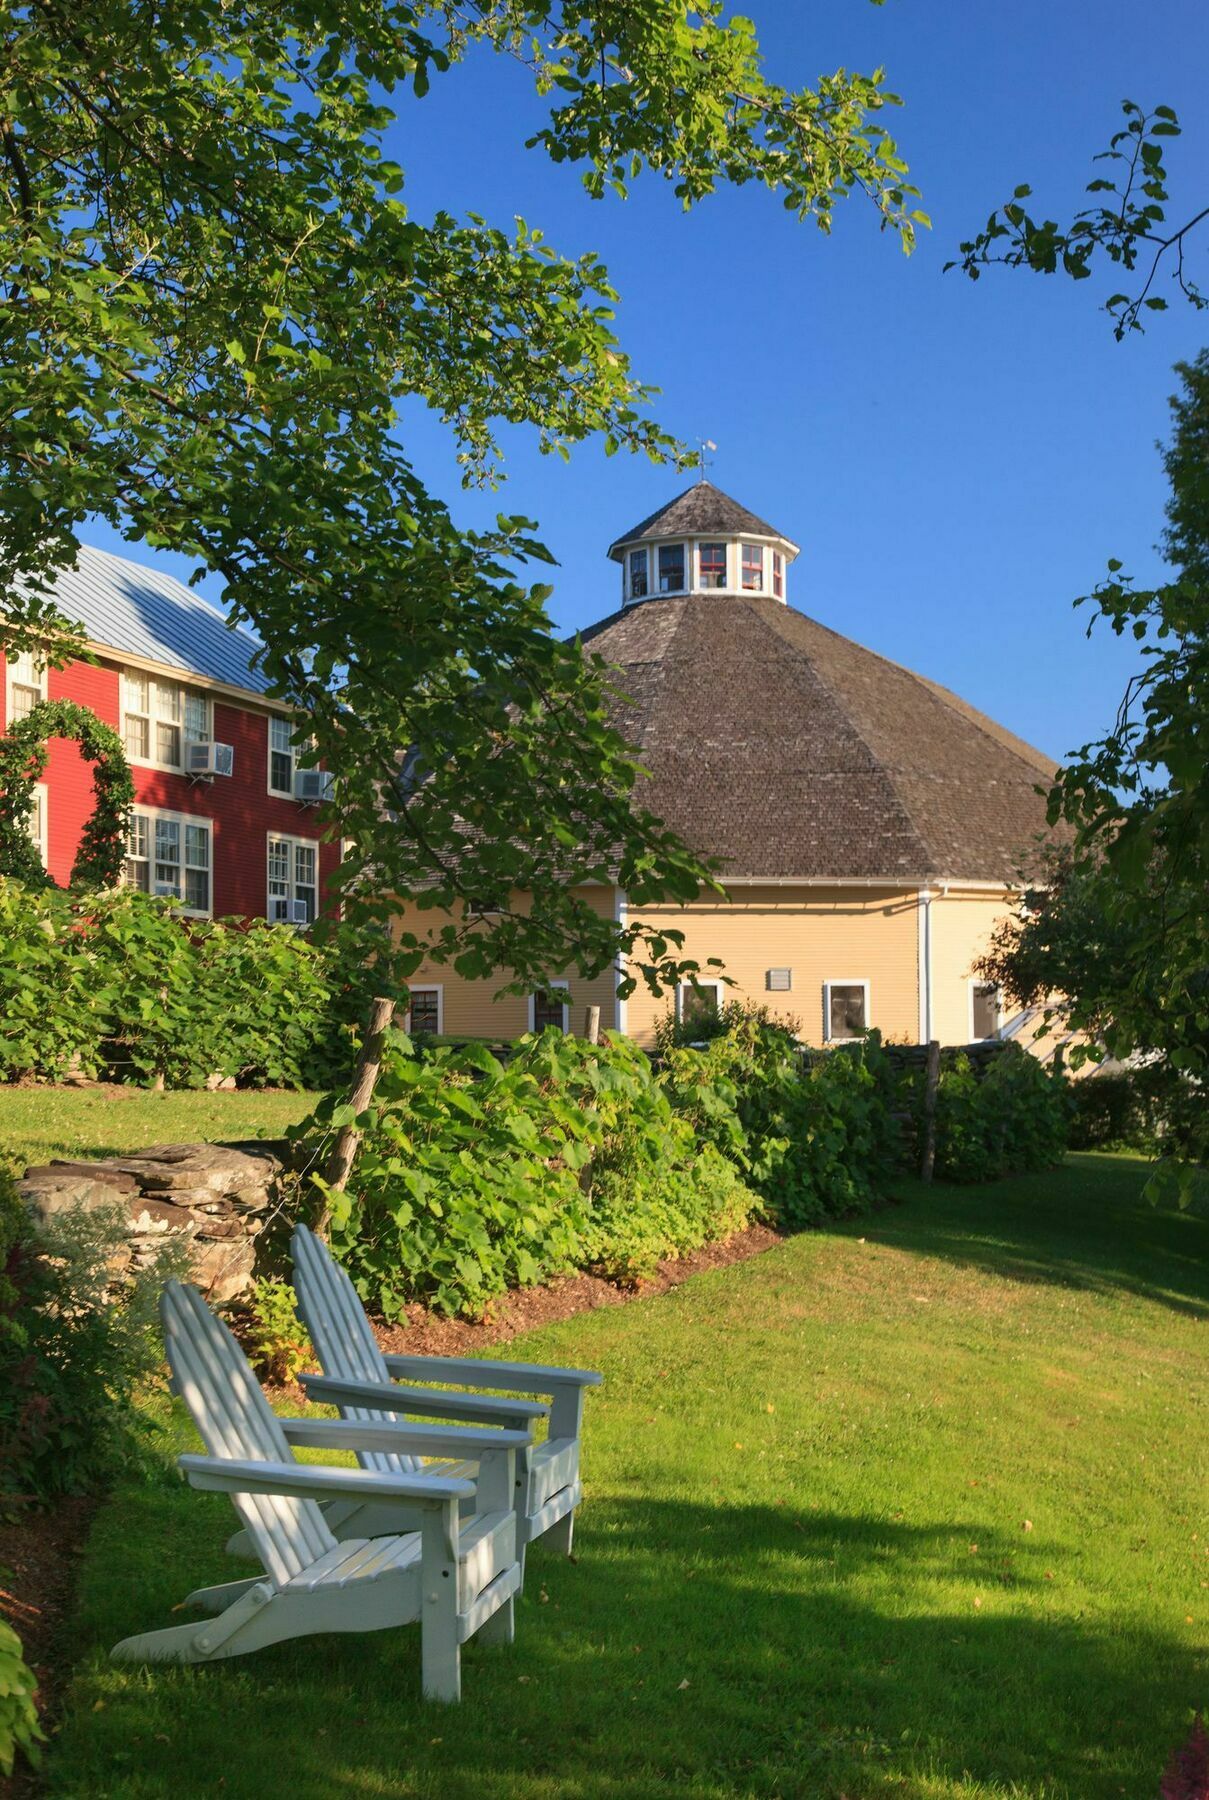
<point x="215" y="1198"/>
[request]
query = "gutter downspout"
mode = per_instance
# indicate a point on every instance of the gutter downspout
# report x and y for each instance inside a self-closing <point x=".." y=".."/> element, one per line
<point x="619" y="916"/>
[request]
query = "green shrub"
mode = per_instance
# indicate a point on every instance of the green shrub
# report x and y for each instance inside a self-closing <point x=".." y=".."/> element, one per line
<point x="19" y="1728"/>
<point x="273" y="1335"/>
<point x="475" y="1176"/>
<point x="122" y="985"/>
<point x="1130" y="1109"/>
<point x="1011" y="1121"/>
<point x="76" y="1346"/>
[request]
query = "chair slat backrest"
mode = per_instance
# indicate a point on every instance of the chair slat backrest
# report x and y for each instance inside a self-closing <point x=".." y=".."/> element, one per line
<point x="212" y="1375"/>
<point x="344" y="1342"/>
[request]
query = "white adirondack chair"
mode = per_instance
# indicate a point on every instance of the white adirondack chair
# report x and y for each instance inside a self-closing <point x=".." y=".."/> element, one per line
<point x="456" y="1575"/>
<point x="357" y="1378"/>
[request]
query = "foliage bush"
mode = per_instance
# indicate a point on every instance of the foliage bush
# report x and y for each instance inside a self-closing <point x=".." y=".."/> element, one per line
<point x="1130" y="1109"/>
<point x="813" y="1133"/>
<point x="1012" y="1119"/>
<point x="476" y="1175"/>
<point x="19" y="1728"/>
<point x="273" y="1335"/>
<point x="121" y="985"/>
<point x="77" y="1343"/>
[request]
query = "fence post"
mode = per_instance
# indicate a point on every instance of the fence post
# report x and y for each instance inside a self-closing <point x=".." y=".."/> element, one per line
<point x="931" y="1085"/>
<point x="592" y="1024"/>
<point x="360" y="1094"/>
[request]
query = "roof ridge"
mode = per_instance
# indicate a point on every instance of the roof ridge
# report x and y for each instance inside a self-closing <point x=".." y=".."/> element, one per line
<point x="750" y="603"/>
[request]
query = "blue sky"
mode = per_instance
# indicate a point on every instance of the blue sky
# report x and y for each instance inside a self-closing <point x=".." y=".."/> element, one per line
<point x="957" y="461"/>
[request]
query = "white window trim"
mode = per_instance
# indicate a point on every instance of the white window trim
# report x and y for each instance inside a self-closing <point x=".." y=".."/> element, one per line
<point x="550" y="986"/>
<point x="688" y="552"/>
<point x="844" y="981"/>
<point x="713" y="981"/>
<point x="154" y="717"/>
<point x="627" y="574"/>
<point x="728" y="556"/>
<point x="152" y="813"/>
<point x="278" y="793"/>
<point x="427" y="987"/>
<point x="765" y="586"/>
<point x="42" y="837"/>
<point x="293" y="839"/>
<point x="10" y="671"/>
<point x="976" y="981"/>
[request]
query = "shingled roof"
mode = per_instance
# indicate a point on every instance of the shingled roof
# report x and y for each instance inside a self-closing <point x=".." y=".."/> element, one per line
<point x="785" y="750"/>
<point x="697" y="512"/>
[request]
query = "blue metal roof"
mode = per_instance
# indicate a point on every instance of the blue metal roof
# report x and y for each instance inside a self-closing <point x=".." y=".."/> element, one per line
<point x="128" y="606"/>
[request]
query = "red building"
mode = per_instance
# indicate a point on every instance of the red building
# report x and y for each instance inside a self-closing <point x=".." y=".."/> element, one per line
<point x="223" y="816"/>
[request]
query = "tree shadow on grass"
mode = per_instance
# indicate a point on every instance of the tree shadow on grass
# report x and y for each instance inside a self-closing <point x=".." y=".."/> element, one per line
<point x="710" y="1650"/>
<point x="1085" y="1226"/>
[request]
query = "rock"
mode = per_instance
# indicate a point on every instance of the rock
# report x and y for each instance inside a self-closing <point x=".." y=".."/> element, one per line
<point x="213" y="1198"/>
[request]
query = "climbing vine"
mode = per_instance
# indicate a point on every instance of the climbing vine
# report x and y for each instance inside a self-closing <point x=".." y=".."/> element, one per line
<point x="23" y="757"/>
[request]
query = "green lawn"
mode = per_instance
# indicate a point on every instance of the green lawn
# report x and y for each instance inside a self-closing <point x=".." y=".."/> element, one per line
<point x="37" y="1123"/>
<point x="913" y="1507"/>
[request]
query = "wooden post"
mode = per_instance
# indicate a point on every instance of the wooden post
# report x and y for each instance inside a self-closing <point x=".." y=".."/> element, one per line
<point x="931" y="1085"/>
<point x="340" y="1162"/>
<point x="592" y="1024"/>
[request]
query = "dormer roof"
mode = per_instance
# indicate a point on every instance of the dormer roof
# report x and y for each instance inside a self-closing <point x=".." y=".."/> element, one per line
<point x="702" y="510"/>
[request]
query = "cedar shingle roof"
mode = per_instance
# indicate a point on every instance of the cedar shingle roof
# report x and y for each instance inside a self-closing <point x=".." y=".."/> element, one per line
<point x="784" y="749"/>
<point x="696" y="512"/>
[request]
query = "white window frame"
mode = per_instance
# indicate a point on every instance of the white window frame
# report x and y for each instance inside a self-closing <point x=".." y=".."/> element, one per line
<point x="687" y="553"/>
<point x="776" y="586"/>
<point x="549" y="988"/>
<point x="975" y="982"/>
<point x="840" y="981"/>
<point x="286" y="793"/>
<point x="642" y="550"/>
<point x="38" y="820"/>
<point x="23" y="672"/>
<point x="295" y="842"/>
<point x="155" y="813"/>
<point x="726" y="546"/>
<point x="156" y="715"/>
<point x="427" y="987"/>
<point x="761" y="550"/>
<point x="714" y="983"/>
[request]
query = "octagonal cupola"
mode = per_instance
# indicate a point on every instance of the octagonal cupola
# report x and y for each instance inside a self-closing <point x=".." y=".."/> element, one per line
<point x="702" y="542"/>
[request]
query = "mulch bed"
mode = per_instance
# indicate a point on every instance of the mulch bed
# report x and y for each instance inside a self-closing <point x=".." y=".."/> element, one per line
<point x="38" y="1555"/>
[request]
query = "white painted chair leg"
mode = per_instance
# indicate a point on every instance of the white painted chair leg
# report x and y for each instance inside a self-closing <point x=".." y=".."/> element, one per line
<point x="561" y="1536"/>
<point x="440" y="1651"/>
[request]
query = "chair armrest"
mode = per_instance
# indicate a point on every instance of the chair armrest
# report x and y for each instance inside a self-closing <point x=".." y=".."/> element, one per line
<point x="338" y="1390"/>
<point x="527" y="1378"/>
<point x="314" y="1481"/>
<point x="406" y="1439"/>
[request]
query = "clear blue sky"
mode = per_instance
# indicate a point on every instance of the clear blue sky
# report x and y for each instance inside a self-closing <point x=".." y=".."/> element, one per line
<point x="957" y="461"/>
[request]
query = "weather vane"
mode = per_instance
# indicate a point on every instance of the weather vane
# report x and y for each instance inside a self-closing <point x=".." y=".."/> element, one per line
<point x="703" y="463"/>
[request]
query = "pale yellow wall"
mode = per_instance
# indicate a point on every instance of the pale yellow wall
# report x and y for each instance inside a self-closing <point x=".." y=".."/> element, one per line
<point x="962" y="924"/>
<point x="821" y="934"/>
<point x="470" y="1008"/>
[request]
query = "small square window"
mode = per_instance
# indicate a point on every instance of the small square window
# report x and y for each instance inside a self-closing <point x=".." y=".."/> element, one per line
<point x="550" y="1008"/>
<point x="638" y="574"/>
<point x="424" y="1012"/>
<point x="847" y="1009"/>
<point x="671" y="568"/>
<point x="697" y="1005"/>
<point x="712" y="558"/>
<point x="753" y="568"/>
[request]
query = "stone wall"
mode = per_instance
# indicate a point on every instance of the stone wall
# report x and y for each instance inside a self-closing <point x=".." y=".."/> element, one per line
<point x="214" y="1198"/>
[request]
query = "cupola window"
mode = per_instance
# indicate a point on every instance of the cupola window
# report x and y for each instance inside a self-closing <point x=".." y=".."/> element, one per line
<point x="753" y="568"/>
<point x="671" y="568"/>
<point x="778" y="575"/>
<point x="638" y="574"/>
<point x="713" y="565"/>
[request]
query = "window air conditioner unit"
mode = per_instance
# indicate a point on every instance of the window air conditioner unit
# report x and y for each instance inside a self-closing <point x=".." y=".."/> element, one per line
<point x="300" y="913"/>
<point x="209" y="759"/>
<point x="312" y="786"/>
<point x="164" y="890"/>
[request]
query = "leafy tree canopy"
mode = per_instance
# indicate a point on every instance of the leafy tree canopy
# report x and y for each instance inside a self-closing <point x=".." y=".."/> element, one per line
<point x="217" y="302"/>
<point x="1123" y="929"/>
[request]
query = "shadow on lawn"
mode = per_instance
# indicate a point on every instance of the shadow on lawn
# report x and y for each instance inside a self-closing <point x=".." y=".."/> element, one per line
<point x="1087" y="1228"/>
<point x="707" y="1650"/>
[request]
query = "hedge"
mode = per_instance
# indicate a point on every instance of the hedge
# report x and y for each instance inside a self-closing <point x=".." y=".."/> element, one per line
<point x="120" y="985"/>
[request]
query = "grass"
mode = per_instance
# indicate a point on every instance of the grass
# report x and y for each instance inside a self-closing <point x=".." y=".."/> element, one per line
<point x="907" y="1508"/>
<point x="37" y="1123"/>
